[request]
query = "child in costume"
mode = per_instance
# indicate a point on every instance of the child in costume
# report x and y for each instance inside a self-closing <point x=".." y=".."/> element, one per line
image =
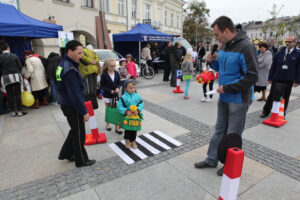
<point x="207" y="77"/>
<point x="126" y="106"/>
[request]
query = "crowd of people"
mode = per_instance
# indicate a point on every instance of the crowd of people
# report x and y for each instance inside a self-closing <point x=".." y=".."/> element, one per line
<point x="72" y="79"/>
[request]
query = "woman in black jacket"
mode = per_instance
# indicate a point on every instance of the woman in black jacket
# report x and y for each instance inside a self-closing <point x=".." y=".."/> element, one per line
<point x="11" y="79"/>
<point x="110" y="84"/>
<point x="53" y="61"/>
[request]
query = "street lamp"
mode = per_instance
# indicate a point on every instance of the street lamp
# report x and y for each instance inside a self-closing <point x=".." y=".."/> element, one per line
<point x="275" y="19"/>
<point x="197" y="21"/>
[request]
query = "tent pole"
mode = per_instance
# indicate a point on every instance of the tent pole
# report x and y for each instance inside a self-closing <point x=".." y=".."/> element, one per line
<point x="140" y="55"/>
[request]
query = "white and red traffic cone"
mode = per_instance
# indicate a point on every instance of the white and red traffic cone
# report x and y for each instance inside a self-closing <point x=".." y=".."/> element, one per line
<point x="232" y="173"/>
<point x="281" y="111"/>
<point x="275" y="119"/>
<point x="95" y="137"/>
<point x="178" y="76"/>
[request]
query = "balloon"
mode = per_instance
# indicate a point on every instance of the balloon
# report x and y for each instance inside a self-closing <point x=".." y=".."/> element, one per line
<point x="27" y="99"/>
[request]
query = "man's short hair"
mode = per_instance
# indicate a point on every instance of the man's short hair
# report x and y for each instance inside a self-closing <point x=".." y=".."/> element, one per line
<point x="224" y="22"/>
<point x="72" y="45"/>
<point x="3" y="46"/>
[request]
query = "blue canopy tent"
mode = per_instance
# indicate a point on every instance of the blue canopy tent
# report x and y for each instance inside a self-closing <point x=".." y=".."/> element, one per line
<point x="131" y="40"/>
<point x="14" y="26"/>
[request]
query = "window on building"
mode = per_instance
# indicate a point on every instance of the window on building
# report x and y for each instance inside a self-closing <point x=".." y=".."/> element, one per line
<point x="166" y="18"/>
<point x="88" y="3"/>
<point x="177" y="22"/>
<point x="106" y="5"/>
<point x="134" y="8"/>
<point x="172" y="19"/>
<point x="65" y="1"/>
<point x="147" y="11"/>
<point x="121" y="7"/>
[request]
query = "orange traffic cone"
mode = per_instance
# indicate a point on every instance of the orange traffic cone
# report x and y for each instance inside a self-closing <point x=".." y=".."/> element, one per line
<point x="95" y="137"/>
<point x="275" y="120"/>
<point x="281" y="111"/>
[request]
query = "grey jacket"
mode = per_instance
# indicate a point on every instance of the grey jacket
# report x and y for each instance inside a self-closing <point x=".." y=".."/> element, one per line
<point x="264" y="65"/>
<point x="187" y="68"/>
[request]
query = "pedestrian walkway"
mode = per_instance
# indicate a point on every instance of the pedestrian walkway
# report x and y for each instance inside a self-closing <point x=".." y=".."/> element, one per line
<point x="30" y="145"/>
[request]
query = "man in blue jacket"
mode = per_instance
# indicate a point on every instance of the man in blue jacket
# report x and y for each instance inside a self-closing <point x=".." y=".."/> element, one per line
<point x="238" y="68"/>
<point x="70" y="87"/>
<point x="285" y="70"/>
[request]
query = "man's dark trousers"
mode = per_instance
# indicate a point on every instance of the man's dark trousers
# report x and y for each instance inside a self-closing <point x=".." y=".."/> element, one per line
<point x="74" y="144"/>
<point x="167" y="71"/>
<point x="269" y="103"/>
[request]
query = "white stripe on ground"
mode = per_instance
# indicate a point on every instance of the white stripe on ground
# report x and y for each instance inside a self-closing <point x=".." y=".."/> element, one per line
<point x="175" y="142"/>
<point x="136" y="151"/>
<point x="122" y="155"/>
<point x="147" y="146"/>
<point x="158" y="142"/>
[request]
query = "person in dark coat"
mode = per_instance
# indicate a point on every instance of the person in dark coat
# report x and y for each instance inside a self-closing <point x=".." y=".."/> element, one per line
<point x="110" y="83"/>
<point x="11" y="80"/>
<point x="53" y="61"/>
<point x="70" y="87"/>
<point x="285" y="69"/>
<point x="200" y="50"/>
<point x="175" y="59"/>
<point x="167" y="53"/>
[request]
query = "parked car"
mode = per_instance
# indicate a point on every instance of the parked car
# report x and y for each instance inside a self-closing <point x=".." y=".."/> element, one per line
<point x="107" y="53"/>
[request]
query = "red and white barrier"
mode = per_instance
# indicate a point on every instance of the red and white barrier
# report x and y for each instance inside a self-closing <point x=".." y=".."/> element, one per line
<point x="95" y="137"/>
<point x="232" y="173"/>
<point x="178" y="90"/>
<point x="275" y="119"/>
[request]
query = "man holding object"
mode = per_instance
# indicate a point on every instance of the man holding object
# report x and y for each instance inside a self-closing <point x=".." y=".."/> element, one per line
<point x="237" y="65"/>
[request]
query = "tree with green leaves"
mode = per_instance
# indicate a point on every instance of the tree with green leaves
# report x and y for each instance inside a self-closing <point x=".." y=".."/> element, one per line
<point x="195" y="25"/>
<point x="279" y="26"/>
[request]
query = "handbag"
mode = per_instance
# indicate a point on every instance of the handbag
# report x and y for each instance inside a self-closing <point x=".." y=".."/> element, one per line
<point x="112" y="114"/>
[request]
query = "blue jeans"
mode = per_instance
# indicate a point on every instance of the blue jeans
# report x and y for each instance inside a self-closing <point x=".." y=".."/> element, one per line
<point x="53" y="90"/>
<point x="231" y="119"/>
<point x="186" y="89"/>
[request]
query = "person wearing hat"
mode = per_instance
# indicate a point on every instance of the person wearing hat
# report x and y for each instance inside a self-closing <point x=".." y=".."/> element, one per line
<point x="123" y="73"/>
<point x="130" y="66"/>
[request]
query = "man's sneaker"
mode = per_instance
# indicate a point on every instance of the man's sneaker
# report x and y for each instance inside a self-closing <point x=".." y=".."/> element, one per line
<point x="13" y="114"/>
<point x="220" y="171"/>
<point x="202" y="165"/>
<point x="203" y="99"/>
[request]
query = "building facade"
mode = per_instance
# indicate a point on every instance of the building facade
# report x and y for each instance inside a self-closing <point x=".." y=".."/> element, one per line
<point x="164" y="15"/>
<point x="269" y="32"/>
<point x="79" y="17"/>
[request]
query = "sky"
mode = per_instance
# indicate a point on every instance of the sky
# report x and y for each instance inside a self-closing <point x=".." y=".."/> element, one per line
<point x="250" y="10"/>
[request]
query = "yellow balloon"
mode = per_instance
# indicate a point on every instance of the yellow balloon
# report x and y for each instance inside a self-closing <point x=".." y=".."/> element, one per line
<point x="27" y="99"/>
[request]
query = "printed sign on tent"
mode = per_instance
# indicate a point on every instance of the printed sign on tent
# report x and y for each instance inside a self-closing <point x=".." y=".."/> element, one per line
<point x="64" y="38"/>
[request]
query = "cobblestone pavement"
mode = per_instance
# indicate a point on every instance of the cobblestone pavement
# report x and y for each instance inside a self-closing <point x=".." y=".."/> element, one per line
<point x="76" y="180"/>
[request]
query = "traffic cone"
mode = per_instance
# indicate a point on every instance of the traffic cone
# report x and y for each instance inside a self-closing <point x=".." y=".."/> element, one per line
<point x="178" y="90"/>
<point x="232" y="173"/>
<point x="95" y="137"/>
<point x="275" y="120"/>
<point x="281" y="111"/>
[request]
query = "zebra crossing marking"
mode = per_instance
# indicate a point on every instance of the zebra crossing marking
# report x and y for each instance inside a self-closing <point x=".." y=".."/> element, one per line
<point x="149" y="144"/>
